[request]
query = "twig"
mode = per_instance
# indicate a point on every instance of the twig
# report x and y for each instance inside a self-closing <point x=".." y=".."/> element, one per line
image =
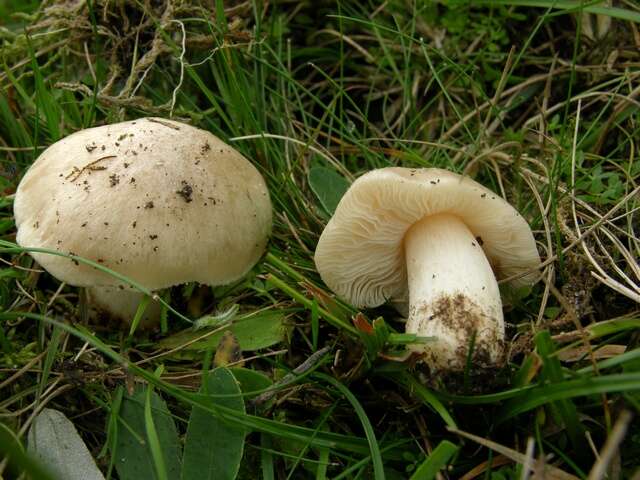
<point x="76" y="172"/>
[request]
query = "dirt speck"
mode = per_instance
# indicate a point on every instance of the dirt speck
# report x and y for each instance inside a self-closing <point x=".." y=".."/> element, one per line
<point x="91" y="148"/>
<point x="153" y="237"/>
<point x="186" y="192"/>
<point x="479" y="240"/>
<point x="148" y="204"/>
<point x="114" y="180"/>
<point x="205" y="148"/>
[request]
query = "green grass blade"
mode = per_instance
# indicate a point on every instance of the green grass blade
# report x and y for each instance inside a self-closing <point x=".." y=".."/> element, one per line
<point x="564" y="410"/>
<point x="435" y="462"/>
<point x="266" y="458"/>
<point x="622" y="382"/>
<point x="18" y="460"/>
<point x="378" y="467"/>
<point x="596" y="7"/>
<point x="413" y="386"/>
<point x="153" y="440"/>
<point x="52" y="351"/>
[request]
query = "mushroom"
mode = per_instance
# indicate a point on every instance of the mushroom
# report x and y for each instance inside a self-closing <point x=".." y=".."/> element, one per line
<point x="157" y="201"/>
<point x="436" y="238"/>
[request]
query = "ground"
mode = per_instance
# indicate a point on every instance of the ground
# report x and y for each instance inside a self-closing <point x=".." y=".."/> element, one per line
<point x="536" y="100"/>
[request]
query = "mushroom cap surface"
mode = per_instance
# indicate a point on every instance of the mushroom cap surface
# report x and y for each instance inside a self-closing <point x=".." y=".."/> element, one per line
<point x="156" y="200"/>
<point x="360" y="254"/>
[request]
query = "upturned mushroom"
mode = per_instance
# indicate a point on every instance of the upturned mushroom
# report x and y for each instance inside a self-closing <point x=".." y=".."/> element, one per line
<point x="158" y="201"/>
<point x="438" y="239"/>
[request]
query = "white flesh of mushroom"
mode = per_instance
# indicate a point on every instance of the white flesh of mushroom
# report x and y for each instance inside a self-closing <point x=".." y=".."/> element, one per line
<point x="453" y="294"/>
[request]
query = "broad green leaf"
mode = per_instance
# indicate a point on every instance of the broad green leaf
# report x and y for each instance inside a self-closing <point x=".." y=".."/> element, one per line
<point x="54" y="441"/>
<point x="213" y="448"/>
<point x="251" y="380"/>
<point x="329" y="186"/>
<point x="133" y="455"/>
<point x="253" y="331"/>
<point x="436" y="461"/>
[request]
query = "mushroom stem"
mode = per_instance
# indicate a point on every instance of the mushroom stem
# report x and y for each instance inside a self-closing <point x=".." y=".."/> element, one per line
<point x="453" y="295"/>
<point x="121" y="304"/>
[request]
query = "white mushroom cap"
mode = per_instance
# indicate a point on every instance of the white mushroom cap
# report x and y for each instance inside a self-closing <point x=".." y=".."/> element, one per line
<point x="158" y="201"/>
<point x="360" y="254"/>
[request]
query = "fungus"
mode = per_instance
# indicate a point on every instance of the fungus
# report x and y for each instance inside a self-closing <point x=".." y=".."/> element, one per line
<point x="125" y="223"/>
<point x="438" y="239"/>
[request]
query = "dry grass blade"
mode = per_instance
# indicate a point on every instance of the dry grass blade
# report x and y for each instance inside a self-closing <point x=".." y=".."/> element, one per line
<point x="599" y="470"/>
<point x="548" y="472"/>
<point x="632" y="291"/>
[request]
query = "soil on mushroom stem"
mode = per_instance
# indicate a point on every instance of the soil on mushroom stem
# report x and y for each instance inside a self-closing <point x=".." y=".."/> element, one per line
<point x="463" y="318"/>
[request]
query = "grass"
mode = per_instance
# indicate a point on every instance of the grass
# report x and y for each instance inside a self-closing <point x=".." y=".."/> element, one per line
<point x="511" y="93"/>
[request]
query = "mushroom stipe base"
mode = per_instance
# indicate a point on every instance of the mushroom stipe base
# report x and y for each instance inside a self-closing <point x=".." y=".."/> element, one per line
<point x="453" y="295"/>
